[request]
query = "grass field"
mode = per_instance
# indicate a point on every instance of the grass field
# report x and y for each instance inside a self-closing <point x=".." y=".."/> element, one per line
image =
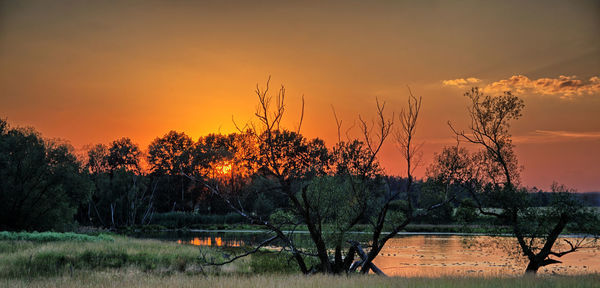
<point x="67" y="260"/>
<point x="34" y="255"/>
<point x="25" y="258"/>
<point x="127" y="278"/>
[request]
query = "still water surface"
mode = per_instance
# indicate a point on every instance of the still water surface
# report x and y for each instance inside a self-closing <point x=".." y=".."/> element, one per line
<point x="426" y="255"/>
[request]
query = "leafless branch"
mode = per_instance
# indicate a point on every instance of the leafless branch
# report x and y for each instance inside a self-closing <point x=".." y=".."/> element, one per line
<point x="301" y="116"/>
<point x="240" y="130"/>
<point x="338" y="124"/>
<point x="256" y="249"/>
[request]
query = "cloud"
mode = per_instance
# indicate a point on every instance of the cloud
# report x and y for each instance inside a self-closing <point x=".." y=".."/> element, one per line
<point x="461" y="82"/>
<point x="553" y="136"/>
<point x="564" y="86"/>
<point x="569" y="134"/>
<point x="532" y="137"/>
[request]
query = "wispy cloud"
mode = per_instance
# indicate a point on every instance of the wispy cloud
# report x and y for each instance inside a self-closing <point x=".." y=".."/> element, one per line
<point x="565" y="87"/>
<point x="533" y="137"/>
<point x="569" y="134"/>
<point x="552" y="136"/>
<point x="461" y="82"/>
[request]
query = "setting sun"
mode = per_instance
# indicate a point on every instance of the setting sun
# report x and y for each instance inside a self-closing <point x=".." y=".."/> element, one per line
<point x="196" y="79"/>
<point x="224" y="168"/>
<point x="341" y="139"/>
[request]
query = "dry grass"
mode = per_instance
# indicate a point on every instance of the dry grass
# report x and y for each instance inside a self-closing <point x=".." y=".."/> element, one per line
<point x="132" y="278"/>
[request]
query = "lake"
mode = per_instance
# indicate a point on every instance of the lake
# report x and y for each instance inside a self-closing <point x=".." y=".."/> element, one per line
<point x="430" y="255"/>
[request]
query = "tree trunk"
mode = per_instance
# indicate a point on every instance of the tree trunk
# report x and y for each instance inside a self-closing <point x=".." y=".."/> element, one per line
<point x="349" y="258"/>
<point x="532" y="267"/>
<point x="338" y="265"/>
<point x="363" y="256"/>
<point x="112" y="216"/>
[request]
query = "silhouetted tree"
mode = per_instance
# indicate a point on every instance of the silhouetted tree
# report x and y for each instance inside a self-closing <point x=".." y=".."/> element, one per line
<point x="329" y="192"/>
<point x="122" y="195"/>
<point x="286" y="162"/>
<point x="171" y="153"/>
<point x="41" y="182"/>
<point x="394" y="209"/>
<point x="229" y="161"/>
<point x="123" y="154"/>
<point x="492" y="177"/>
<point x="170" y="157"/>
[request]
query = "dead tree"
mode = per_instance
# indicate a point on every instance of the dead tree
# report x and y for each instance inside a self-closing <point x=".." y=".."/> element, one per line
<point x="384" y="217"/>
<point x="410" y="153"/>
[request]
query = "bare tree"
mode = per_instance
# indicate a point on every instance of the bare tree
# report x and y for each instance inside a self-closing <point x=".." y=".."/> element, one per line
<point x="405" y="136"/>
<point x="285" y="158"/>
<point x="357" y="165"/>
<point x="392" y="209"/>
<point x="410" y="153"/>
<point x="330" y="193"/>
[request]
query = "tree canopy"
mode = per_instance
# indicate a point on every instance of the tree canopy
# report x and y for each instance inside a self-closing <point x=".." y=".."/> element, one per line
<point x="41" y="182"/>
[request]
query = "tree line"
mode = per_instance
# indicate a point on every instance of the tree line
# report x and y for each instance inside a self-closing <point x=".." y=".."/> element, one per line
<point x="277" y="178"/>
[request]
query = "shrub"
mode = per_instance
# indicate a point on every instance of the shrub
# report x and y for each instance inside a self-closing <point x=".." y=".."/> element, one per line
<point x="466" y="211"/>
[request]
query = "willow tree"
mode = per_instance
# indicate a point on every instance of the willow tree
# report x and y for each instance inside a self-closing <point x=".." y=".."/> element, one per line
<point x="492" y="177"/>
<point x="328" y="191"/>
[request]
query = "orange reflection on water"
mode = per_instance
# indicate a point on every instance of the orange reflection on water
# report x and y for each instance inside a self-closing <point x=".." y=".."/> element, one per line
<point x="212" y="241"/>
<point x="438" y="256"/>
<point x="446" y="255"/>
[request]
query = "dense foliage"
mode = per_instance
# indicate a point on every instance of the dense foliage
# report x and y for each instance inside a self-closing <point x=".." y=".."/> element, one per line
<point x="41" y="182"/>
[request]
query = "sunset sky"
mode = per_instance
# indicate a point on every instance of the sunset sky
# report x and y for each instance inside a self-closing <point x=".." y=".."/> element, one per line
<point x="93" y="71"/>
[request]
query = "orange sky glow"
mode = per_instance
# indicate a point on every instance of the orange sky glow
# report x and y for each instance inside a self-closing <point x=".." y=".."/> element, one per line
<point x="94" y="71"/>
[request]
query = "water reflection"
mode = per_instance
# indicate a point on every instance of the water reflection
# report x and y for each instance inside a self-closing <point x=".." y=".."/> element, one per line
<point x="436" y="256"/>
<point x="212" y="241"/>
<point x="430" y="255"/>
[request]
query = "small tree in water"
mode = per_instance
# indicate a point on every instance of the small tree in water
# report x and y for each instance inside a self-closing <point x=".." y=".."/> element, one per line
<point x="492" y="178"/>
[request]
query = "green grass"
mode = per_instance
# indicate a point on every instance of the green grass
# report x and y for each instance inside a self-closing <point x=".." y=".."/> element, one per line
<point x="270" y="262"/>
<point x="141" y="279"/>
<point x="129" y="262"/>
<point x="51" y="237"/>
<point x="68" y="253"/>
<point x="26" y="258"/>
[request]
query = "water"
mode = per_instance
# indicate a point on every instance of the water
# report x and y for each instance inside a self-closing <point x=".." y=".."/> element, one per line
<point x="425" y="255"/>
<point x="434" y="256"/>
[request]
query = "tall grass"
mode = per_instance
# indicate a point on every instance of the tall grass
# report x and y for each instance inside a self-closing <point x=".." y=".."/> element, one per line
<point x="40" y="257"/>
<point x="140" y="279"/>
<point x="25" y="258"/>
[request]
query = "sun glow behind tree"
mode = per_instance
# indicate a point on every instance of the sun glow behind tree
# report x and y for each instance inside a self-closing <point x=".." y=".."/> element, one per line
<point x="224" y="168"/>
